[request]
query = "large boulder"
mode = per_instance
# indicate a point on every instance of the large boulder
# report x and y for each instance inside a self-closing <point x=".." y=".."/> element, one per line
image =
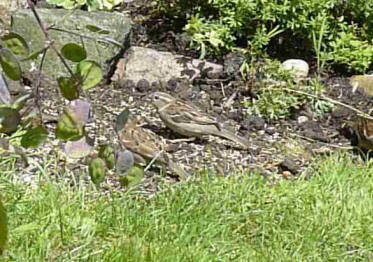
<point x="102" y="48"/>
<point x="141" y="63"/>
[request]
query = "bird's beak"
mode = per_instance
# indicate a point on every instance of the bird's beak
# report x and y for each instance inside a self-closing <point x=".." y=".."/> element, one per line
<point x="149" y="98"/>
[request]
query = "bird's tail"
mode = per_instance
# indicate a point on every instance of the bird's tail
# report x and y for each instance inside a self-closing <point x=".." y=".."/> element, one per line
<point x="231" y="136"/>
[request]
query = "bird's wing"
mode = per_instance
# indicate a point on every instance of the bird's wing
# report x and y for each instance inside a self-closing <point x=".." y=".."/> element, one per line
<point x="181" y="112"/>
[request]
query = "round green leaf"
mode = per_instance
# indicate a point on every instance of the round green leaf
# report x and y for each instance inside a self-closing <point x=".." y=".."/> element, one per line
<point x="34" y="55"/>
<point x="16" y="43"/>
<point x="133" y="177"/>
<point x="34" y="137"/>
<point x="106" y="152"/>
<point x="97" y="170"/>
<point x="70" y="126"/>
<point x="10" y="64"/>
<point x="73" y="52"/>
<point x="68" y="88"/>
<point x="90" y="72"/>
<point x="9" y="120"/>
<point x="3" y="228"/>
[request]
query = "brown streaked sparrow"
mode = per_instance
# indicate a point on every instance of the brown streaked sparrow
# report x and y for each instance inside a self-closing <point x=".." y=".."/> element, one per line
<point x="146" y="145"/>
<point x="188" y="120"/>
<point x="364" y="131"/>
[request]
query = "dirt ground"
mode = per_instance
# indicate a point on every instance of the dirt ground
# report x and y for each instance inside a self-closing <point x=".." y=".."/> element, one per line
<point x="282" y="148"/>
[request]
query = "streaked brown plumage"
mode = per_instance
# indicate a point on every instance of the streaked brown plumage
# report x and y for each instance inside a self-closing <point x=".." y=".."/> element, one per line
<point x="188" y="120"/>
<point x="364" y="132"/>
<point x="146" y="144"/>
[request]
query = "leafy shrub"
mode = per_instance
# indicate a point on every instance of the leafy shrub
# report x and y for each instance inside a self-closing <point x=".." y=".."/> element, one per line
<point x="89" y="4"/>
<point x="218" y="26"/>
<point x="278" y="95"/>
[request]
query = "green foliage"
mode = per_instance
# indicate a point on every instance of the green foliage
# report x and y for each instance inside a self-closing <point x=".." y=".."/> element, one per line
<point x="9" y="120"/>
<point x="278" y="95"/>
<point x="325" y="216"/>
<point x="68" y="88"/>
<point x="106" y="152"/>
<point x="122" y="120"/>
<point x="16" y="44"/>
<point x="90" y="73"/>
<point x="91" y="5"/>
<point x="70" y="126"/>
<point x="133" y="177"/>
<point x="10" y="64"/>
<point x="350" y="50"/>
<point x="272" y="100"/>
<point x="97" y="170"/>
<point x="34" y="137"/>
<point x="218" y="26"/>
<point x="73" y="52"/>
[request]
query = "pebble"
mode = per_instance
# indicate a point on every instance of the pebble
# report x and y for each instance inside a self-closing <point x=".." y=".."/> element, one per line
<point x="302" y="119"/>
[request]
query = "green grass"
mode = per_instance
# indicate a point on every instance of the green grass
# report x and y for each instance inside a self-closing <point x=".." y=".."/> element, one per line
<point x="324" y="218"/>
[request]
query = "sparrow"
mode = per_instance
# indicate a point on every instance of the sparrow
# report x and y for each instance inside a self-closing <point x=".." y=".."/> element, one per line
<point x="364" y="131"/>
<point x="188" y="120"/>
<point x="146" y="145"/>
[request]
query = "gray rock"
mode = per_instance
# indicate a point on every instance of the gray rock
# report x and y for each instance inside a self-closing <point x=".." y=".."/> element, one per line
<point x="232" y="63"/>
<point x="144" y="63"/>
<point x="103" y="52"/>
<point x="299" y="67"/>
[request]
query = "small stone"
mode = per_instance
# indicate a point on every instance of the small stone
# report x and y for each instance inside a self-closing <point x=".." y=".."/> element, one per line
<point x="299" y="67"/>
<point x="143" y="85"/>
<point x="302" y="119"/>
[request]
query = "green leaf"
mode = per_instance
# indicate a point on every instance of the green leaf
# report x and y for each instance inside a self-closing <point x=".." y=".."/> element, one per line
<point x="73" y="52"/>
<point x="122" y="120"/>
<point x="97" y="170"/>
<point x="10" y="64"/>
<point x="34" y="55"/>
<point x="3" y="228"/>
<point x="134" y="177"/>
<point x="16" y="44"/>
<point x="97" y="29"/>
<point x="90" y="72"/>
<point x="70" y="126"/>
<point x="106" y="152"/>
<point x="9" y="120"/>
<point x="34" y="137"/>
<point x="68" y="88"/>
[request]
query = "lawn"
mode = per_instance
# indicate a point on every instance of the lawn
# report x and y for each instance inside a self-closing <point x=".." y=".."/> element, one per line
<point x="327" y="216"/>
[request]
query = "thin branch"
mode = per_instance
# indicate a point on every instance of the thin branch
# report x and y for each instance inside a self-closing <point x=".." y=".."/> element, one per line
<point x="331" y="100"/>
<point x="99" y="39"/>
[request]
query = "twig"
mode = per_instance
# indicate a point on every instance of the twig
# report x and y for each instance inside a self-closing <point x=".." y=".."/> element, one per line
<point x="359" y="112"/>
<point x="100" y="39"/>
<point x="51" y="42"/>
<point x="153" y="160"/>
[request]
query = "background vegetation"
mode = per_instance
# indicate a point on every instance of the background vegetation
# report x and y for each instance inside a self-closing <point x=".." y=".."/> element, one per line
<point x="345" y="28"/>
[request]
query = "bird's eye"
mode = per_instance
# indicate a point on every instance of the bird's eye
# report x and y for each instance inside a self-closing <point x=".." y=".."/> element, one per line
<point x="156" y="97"/>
